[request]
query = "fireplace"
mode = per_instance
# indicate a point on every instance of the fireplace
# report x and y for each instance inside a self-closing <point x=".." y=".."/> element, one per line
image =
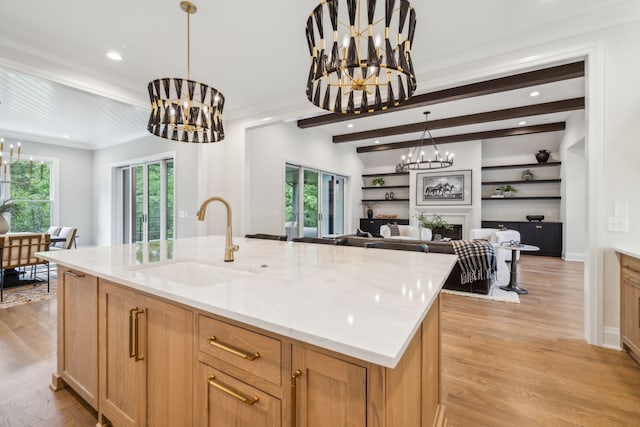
<point x="453" y="234"/>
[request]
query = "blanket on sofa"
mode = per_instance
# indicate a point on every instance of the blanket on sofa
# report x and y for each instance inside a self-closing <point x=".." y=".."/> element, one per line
<point x="477" y="260"/>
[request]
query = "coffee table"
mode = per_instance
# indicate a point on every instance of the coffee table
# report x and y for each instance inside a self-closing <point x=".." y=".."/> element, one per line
<point x="513" y="285"/>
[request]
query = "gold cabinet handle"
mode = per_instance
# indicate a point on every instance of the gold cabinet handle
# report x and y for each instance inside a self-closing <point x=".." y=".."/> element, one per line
<point x="231" y="392"/>
<point x="137" y="334"/>
<point x="638" y="312"/>
<point x="73" y="273"/>
<point x="226" y="347"/>
<point x="294" y="397"/>
<point x="131" y="333"/>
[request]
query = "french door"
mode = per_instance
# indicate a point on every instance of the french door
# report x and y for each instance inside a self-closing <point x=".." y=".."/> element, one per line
<point x="146" y="201"/>
<point x="314" y="202"/>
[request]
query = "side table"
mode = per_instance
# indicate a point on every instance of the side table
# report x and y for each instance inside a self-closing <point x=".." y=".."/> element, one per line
<point x="513" y="285"/>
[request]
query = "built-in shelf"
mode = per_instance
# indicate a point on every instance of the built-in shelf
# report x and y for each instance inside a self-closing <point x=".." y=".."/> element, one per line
<point x="537" y="181"/>
<point x="385" y="200"/>
<point x="373" y="175"/>
<point x="524" y="165"/>
<point x="524" y="198"/>
<point x="380" y="187"/>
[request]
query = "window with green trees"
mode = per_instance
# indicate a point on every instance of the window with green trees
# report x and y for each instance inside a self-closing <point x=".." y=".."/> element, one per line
<point x="30" y="191"/>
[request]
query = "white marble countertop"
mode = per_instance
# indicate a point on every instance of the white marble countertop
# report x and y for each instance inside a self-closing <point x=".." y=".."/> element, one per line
<point x="628" y="251"/>
<point x="365" y="303"/>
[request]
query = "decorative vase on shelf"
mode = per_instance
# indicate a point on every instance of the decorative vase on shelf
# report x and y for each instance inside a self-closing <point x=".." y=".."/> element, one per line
<point x="370" y="213"/>
<point x="542" y="156"/>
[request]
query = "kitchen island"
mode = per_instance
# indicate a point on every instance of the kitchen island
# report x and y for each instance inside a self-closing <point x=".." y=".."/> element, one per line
<point x="166" y="333"/>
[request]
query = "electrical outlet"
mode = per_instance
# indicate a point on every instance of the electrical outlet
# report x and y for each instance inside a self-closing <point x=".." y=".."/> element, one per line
<point x="183" y="214"/>
<point x="618" y="224"/>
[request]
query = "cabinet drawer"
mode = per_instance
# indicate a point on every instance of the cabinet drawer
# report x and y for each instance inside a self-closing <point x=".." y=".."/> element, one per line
<point x="252" y="352"/>
<point x="230" y="402"/>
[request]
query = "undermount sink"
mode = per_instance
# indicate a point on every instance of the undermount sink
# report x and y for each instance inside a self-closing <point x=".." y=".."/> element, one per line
<point x="195" y="273"/>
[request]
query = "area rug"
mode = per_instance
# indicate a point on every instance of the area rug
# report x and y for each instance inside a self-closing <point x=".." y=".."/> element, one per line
<point x="18" y="295"/>
<point x="495" y="293"/>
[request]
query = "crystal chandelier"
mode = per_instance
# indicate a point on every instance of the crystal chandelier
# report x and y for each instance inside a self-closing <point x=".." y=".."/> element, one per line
<point x="416" y="159"/>
<point x="368" y="65"/>
<point x="185" y="110"/>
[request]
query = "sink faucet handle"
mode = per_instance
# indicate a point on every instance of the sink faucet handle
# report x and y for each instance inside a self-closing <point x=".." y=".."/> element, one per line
<point x="234" y="248"/>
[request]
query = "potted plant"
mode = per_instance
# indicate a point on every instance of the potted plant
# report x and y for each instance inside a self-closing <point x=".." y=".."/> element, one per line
<point x="508" y="190"/>
<point x="435" y="223"/>
<point x="6" y="206"/>
<point x="378" y="181"/>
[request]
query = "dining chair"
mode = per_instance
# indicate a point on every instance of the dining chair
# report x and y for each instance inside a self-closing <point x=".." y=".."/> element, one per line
<point x="19" y="251"/>
<point x="69" y="233"/>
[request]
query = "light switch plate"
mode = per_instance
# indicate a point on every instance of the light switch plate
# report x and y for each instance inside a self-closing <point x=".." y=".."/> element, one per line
<point x="618" y="224"/>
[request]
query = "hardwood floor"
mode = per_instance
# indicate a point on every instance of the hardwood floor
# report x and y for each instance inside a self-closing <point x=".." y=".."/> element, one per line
<point x="504" y="364"/>
<point x="527" y="364"/>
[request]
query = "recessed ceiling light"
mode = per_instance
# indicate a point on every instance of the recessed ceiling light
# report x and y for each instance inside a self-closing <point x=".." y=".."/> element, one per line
<point x="377" y="142"/>
<point x="534" y="93"/>
<point x="66" y="136"/>
<point x="114" y="56"/>
<point x="350" y="125"/>
<point x="266" y="119"/>
<point x="522" y="123"/>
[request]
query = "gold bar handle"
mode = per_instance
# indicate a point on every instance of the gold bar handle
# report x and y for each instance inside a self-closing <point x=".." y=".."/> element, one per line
<point x="137" y="333"/>
<point x="226" y="389"/>
<point x="226" y="347"/>
<point x="638" y="312"/>
<point x="131" y="333"/>
<point x="294" y="398"/>
<point x="73" y="273"/>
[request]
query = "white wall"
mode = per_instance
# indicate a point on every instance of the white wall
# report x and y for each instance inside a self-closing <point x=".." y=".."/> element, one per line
<point x="270" y="147"/>
<point x="574" y="188"/>
<point x="186" y="183"/>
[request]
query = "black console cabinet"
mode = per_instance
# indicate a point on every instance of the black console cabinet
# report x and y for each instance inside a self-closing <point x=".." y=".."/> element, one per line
<point x="373" y="225"/>
<point x="545" y="235"/>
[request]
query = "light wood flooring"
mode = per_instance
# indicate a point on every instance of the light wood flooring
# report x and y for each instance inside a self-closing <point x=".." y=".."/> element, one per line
<point x="503" y="364"/>
<point x="528" y="364"/>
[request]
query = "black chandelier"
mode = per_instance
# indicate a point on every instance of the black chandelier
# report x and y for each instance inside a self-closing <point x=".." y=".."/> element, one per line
<point x="368" y="66"/>
<point x="416" y="159"/>
<point x="183" y="109"/>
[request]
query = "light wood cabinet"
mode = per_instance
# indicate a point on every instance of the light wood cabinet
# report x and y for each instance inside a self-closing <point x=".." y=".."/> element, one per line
<point x="630" y="306"/>
<point x="225" y="401"/>
<point x="146" y="359"/>
<point x="330" y="391"/>
<point x="77" y="334"/>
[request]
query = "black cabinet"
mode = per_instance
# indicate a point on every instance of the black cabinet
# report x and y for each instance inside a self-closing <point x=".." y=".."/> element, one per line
<point x="373" y="225"/>
<point x="545" y="235"/>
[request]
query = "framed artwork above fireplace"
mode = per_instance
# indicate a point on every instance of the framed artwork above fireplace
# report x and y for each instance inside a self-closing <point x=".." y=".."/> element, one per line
<point x="443" y="188"/>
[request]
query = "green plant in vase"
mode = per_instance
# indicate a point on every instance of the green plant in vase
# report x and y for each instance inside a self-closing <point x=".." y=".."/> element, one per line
<point x="435" y="223"/>
<point x="377" y="181"/>
<point x="6" y="206"/>
<point x="508" y="190"/>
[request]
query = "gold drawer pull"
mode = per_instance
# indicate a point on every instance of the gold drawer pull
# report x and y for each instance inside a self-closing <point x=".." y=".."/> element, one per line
<point x="226" y="347"/>
<point x="248" y="400"/>
<point x="294" y="398"/>
<point x="73" y="273"/>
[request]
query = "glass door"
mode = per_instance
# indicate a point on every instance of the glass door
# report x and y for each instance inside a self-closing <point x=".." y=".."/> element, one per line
<point x="146" y="202"/>
<point x="319" y="196"/>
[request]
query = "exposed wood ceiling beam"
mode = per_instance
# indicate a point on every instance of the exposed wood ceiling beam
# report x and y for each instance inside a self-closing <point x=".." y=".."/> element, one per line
<point x="501" y="84"/>
<point x="470" y="119"/>
<point x="500" y="133"/>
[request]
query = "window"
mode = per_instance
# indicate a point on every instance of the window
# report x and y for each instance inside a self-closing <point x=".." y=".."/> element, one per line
<point x="29" y="187"/>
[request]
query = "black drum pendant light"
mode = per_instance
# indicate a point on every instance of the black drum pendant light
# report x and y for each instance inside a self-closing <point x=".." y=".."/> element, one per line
<point x="367" y="65"/>
<point x="185" y="110"/>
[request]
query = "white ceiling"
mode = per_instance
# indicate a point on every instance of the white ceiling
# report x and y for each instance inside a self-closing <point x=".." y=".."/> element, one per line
<point x="54" y="75"/>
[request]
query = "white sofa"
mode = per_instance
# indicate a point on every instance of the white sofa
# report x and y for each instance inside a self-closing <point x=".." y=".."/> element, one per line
<point x="407" y="232"/>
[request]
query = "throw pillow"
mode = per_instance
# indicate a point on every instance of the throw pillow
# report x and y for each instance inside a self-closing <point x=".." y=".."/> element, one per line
<point x="395" y="231"/>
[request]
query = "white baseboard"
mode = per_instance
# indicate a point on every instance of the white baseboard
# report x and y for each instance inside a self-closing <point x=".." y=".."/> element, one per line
<point x="611" y="338"/>
<point x="574" y="256"/>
